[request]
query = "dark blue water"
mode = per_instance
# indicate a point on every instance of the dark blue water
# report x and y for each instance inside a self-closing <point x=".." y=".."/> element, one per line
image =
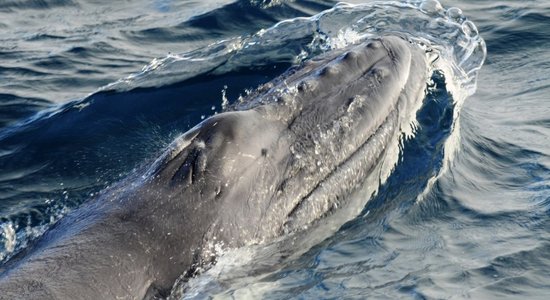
<point x="464" y="214"/>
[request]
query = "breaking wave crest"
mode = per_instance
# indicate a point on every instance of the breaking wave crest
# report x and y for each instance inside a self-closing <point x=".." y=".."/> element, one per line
<point x="454" y="40"/>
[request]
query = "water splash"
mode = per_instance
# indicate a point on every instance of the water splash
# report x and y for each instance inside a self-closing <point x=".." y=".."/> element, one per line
<point x="452" y="40"/>
<point x="14" y="237"/>
<point x="7" y="236"/>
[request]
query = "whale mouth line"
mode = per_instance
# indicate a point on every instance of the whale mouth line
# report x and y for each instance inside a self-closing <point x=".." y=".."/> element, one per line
<point x="350" y="159"/>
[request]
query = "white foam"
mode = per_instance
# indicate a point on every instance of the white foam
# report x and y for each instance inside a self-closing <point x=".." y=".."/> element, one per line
<point x="9" y="238"/>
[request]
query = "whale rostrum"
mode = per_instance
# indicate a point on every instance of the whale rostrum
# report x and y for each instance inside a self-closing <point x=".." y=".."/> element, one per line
<point x="284" y="158"/>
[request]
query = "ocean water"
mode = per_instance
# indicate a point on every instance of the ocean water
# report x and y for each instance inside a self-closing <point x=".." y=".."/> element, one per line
<point x="91" y="91"/>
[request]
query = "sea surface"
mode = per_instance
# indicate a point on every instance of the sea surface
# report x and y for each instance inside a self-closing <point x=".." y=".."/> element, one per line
<point x="91" y="91"/>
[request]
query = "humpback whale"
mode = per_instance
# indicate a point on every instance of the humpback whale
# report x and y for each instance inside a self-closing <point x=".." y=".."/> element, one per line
<point x="276" y="163"/>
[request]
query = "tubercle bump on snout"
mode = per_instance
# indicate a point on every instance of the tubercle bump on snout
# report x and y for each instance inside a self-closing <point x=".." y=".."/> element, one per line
<point x="351" y="55"/>
<point x="375" y="44"/>
<point x="329" y="71"/>
<point x="191" y="169"/>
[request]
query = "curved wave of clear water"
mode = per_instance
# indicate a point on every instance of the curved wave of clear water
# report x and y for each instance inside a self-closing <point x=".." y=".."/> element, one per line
<point x="446" y="32"/>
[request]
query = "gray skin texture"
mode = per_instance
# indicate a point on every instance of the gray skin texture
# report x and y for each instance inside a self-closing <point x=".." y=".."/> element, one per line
<point x="282" y="159"/>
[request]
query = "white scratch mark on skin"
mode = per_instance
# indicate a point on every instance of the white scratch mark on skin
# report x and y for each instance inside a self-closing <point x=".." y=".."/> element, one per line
<point x="248" y="155"/>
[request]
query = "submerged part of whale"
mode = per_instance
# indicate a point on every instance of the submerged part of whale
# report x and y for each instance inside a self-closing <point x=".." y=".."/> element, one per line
<point x="280" y="160"/>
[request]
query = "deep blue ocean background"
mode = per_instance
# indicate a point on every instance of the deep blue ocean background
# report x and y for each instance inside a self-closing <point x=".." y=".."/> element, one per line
<point x="91" y="91"/>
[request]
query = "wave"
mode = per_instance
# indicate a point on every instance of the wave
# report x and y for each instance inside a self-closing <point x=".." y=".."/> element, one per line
<point x="221" y="22"/>
<point x="14" y="108"/>
<point x="446" y="32"/>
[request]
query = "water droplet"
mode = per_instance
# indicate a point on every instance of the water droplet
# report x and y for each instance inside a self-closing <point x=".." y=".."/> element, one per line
<point x="455" y="13"/>
<point x="470" y="29"/>
<point x="431" y="6"/>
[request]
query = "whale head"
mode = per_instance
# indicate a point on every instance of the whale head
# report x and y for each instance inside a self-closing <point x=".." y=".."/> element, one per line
<point x="288" y="156"/>
<point x="295" y="148"/>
